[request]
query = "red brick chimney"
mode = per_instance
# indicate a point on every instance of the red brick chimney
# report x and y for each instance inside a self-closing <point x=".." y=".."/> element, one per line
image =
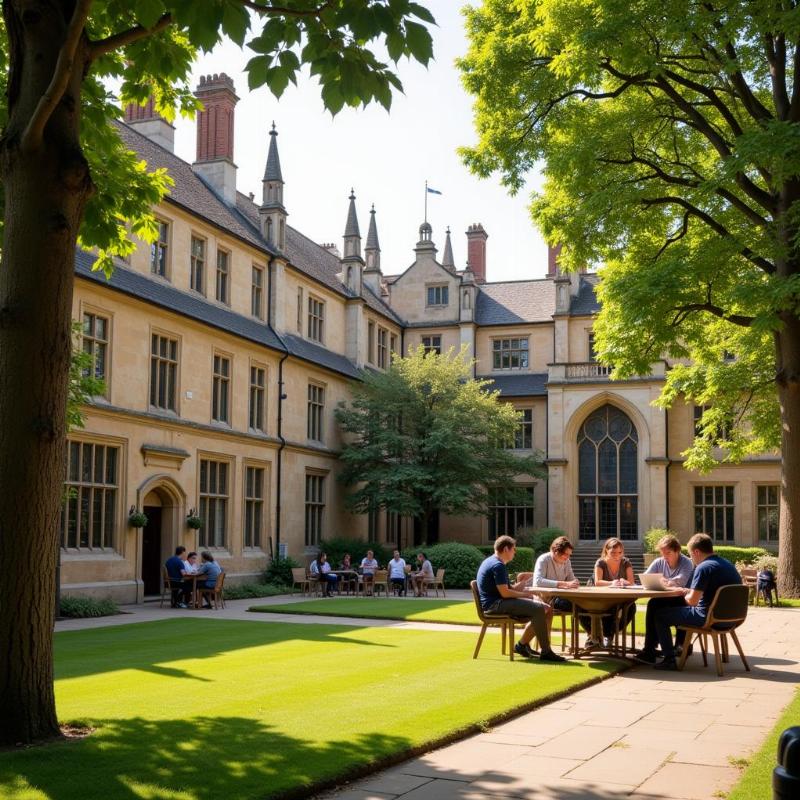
<point x="215" y="121"/>
<point x="476" y="251"/>
<point x="553" y="252"/>
<point x="147" y="121"/>
<point x="215" y="134"/>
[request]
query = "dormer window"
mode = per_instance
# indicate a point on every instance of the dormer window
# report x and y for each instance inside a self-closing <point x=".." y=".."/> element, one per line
<point x="438" y="295"/>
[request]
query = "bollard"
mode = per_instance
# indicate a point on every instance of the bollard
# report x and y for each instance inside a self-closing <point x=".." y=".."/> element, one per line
<point x="786" y="776"/>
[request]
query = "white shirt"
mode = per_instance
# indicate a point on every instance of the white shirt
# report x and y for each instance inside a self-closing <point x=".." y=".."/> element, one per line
<point x="369" y="565"/>
<point x="397" y="568"/>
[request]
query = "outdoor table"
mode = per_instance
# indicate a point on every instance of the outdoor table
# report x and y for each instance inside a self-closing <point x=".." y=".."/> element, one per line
<point x="595" y="601"/>
<point x="345" y="575"/>
<point x="193" y="578"/>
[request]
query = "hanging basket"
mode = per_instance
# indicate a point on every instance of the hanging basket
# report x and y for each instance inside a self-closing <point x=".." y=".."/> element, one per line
<point x="194" y="522"/>
<point x="137" y="519"/>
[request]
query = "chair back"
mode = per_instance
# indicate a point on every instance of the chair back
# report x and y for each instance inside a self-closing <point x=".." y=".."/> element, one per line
<point x="220" y="582"/>
<point x="477" y="598"/>
<point x="381" y="575"/>
<point x="749" y="574"/>
<point x="298" y="574"/>
<point x="166" y="577"/>
<point x="729" y="605"/>
<point x="440" y="575"/>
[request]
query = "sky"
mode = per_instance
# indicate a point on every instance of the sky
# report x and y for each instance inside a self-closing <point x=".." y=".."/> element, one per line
<point x="385" y="157"/>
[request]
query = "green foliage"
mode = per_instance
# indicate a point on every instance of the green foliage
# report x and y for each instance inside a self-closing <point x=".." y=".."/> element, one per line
<point x="85" y="607"/>
<point x="460" y="561"/>
<point x="82" y="383"/>
<point x="744" y="555"/>
<point x="425" y="436"/>
<point x="278" y="572"/>
<point x="137" y="520"/>
<point x="523" y="561"/>
<point x="244" y="590"/>
<point x="666" y="143"/>
<point x="337" y="547"/>
<point x="544" y="537"/>
<point x="769" y="562"/>
<point x="653" y="536"/>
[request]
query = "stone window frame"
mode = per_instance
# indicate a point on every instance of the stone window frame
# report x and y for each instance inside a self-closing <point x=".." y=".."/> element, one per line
<point x="315" y="506"/>
<point x="223" y="277"/>
<point x="767" y="506"/>
<point x="162" y="333"/>
<point x="261" y="532"/>
<point x="87" y="309"/>
<point x="162" y="245"/>
<point x="723" y="496"/>
<point x="316" y="318"/>
<point x="439" y="293"/>
<point x="221" y="387"/>
<point x="495" y="510"/>
<point x="217" y="497"/>
<point x="510" y="351"/>
<point x="430" y="345"/>
<point x="315" y="411"/>
<point x="196" y="259"/>
<point x="257" y="291"/>
<point x="257" y="366"/>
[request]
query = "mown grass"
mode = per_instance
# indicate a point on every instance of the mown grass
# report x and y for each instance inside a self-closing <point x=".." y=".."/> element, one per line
<point x="756" y="780"/>
<point x="453" y="612"/>
<point x="190" y="708"/>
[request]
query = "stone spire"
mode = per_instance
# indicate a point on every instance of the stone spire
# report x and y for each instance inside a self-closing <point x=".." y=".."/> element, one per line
<point x="373" y="249"/>
<point x="272" y="212"/>
<point x="447" y="258"/>
<point x="352" y="235"/>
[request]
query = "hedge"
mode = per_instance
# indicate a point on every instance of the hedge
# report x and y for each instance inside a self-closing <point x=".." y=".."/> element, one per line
<point x="523" y="561"/>
<point x="246" y="590"/>
<point x="459" y="561"/>
<point x="747" y="555"/>
<point x="336" y="549"/>
<point x="83" y="607"/>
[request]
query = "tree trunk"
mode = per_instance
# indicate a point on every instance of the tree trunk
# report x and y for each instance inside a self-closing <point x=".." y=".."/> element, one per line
<point x="788" y="351"/>
<point x="46" y="188"/>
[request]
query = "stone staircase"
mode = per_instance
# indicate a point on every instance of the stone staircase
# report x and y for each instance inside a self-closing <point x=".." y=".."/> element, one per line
<point x="586" y="553"/>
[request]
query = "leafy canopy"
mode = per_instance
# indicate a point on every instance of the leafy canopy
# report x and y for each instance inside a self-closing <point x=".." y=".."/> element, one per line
<point x="670" y="138"/>
<point x="425" y="436"/>
<point x="147" y="47"/>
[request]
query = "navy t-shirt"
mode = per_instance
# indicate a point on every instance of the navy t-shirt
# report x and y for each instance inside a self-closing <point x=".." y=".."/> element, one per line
<point x="491" y="574"/>
<point x="709" y="575"/>
<point x="174" y="566"/>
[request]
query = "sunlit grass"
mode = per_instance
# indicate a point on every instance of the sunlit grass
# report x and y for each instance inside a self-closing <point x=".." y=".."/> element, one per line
<point x="188" y="709"/>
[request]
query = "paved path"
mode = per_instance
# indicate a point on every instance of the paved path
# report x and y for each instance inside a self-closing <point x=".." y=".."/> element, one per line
<point x="641" y="734"/>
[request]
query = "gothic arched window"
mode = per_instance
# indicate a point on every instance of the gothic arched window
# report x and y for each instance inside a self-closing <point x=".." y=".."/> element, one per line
<point x="607" y="476"/>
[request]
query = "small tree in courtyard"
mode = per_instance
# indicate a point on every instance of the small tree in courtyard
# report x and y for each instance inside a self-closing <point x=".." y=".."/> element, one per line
<point x="424" y="437"/>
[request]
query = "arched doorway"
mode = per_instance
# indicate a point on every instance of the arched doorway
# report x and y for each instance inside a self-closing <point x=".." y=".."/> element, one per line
<point x="607" y="476"/>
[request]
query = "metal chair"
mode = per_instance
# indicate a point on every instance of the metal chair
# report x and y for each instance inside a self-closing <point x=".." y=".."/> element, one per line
<point x="728" y="608"/>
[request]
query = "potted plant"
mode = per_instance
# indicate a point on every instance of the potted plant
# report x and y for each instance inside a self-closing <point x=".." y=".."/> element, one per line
<point x="193" y="521"/>
<point x="136" y="518"/>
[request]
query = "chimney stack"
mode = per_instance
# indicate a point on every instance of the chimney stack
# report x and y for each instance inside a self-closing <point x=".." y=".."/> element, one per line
<point x="476" y="251"/>
<point x="147" y="121"/>
<point x="215" y="135"/>
<point x="553" y="252"/>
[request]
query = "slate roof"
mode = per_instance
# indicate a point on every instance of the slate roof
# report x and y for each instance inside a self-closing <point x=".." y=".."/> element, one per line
<point x="160" y="293"/>
<point x="524" y="385"/>
<point x="585" y="302"/>
<point x="513" y="302"/>
<point x="317" y="354"/>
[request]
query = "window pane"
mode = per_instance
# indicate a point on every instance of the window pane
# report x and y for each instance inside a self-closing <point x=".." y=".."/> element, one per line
<point x="607" y="468"/>
<point x="587" y="472"/>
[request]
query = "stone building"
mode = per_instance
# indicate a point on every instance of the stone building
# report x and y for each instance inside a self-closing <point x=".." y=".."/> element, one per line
<point x="226" y="345"/>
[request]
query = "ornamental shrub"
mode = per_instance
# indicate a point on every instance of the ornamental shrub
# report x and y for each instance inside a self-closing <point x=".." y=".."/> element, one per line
<point x="84" y="607"/>
<point x="653" y="536"/>
<point x="245" y="590"/>
<point x="337" y="547"/>
<point x="278" y="573"/>
<point x="523" y="561"/>
<point x="459" y="561"/>
<point x="745" y="555"/>
<point x="544" y="537"/>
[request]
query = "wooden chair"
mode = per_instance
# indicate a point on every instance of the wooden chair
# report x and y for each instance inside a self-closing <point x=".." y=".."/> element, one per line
<point x="215" y="593"/>
<point x="315" y="585"/>
<point x="300" y="579"/>
<point x="729" y="607"/>
<point x="167" y="585"/>
<point x="502" y="621"/>
<point x="381" y="579"/>
<point x="750" y="580"/>
<point x="436" y="583"/>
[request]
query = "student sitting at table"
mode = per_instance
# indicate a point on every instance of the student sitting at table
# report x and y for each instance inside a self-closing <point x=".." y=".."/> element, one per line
<point x="368" y="566"/>
<point x="614" y="570"/>
<point x="346" y="562"/>
<point x="397" y="573"/>
<point x="190" y="566"/>
<point x="322" y="569"/>
<point x="676" y="573"/>
<point x="422" y="575"/>
<point x="175" y="571"/>
<point x="211" y="570"/>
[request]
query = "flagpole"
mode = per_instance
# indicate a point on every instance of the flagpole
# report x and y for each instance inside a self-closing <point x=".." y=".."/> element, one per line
<point x="426" y="201"/>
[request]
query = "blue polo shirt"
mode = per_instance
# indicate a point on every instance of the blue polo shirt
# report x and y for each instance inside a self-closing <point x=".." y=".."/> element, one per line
<point x="709" y="575"/>
<point x="491" y="574"/>
<point x="174" y="566"/>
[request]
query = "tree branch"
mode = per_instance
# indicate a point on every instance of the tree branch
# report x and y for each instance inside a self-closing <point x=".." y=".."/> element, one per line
<point x="689" y="308"/>
<point x="776" y="57"/>
<point x="34" y="130"/>
<point x="102" y="46"/>
<point x="287" y="12"/>
<point x="794" y="106"/>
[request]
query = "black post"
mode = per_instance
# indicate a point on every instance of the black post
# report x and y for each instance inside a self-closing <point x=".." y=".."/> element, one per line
<point x="786" y="776"/>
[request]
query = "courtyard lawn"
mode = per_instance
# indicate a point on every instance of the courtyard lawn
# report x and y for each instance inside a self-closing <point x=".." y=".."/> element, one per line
<point x="756" y="780"/>
<point x="419" y="609"/>
<point x="195" y="709"/>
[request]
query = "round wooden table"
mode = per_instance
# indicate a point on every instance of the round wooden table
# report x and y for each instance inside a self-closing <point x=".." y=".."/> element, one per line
<point x="595" y="601"/>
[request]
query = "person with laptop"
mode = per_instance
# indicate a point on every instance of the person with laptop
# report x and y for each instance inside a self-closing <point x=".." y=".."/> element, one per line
<point x="671" y="570"/>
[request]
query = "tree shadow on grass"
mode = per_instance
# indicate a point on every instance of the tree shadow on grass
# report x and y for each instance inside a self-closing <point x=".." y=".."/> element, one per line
<point x="191" y="759"/>
<point x="149" y="646"/>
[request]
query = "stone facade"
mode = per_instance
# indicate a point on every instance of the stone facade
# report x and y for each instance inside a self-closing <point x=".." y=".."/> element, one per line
<point x="227" y="345"/>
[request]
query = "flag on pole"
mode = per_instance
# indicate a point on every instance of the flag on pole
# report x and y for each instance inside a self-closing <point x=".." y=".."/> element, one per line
<point x="432" y="191"/>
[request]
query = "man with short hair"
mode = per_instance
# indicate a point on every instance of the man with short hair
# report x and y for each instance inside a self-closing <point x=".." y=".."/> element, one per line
<point x="368" y="566"/>
<point x="711" y="572"/>
<point x="175" y="570"/>
<point x="397" y="573"/>
<point x="498" y="597"/>
<point x="422" y="575"/>
<point x="676" y="572"/>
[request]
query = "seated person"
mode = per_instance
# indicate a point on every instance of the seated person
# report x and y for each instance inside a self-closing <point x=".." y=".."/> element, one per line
<point x="553" y="570"/>
<point x="711" y="572"/>
<point x="322" y="569"/>
<point x="421" y="575"/>
<point x="613" y="569"/>
<point x="397" y="573"/>
<point x="181" y="590"/>
<point x="346" y="562"/>
<point x="349" y="581"/>
<point x="211" y="570"/>
<point x="676" y="572"/>
<point x="190" y="566"/>
<point x="368" y="567"/>
<point x="498" y="597"/>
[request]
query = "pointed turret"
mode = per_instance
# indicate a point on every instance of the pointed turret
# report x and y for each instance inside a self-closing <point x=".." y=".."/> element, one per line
<point x="373" y="249"/>
<point x="447" y="258"/>
<point x="272" y="212"/>
<point x="352" y="235"/>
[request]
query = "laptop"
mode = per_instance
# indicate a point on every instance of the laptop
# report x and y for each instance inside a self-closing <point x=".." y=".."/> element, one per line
<point x="651" y="581"/>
